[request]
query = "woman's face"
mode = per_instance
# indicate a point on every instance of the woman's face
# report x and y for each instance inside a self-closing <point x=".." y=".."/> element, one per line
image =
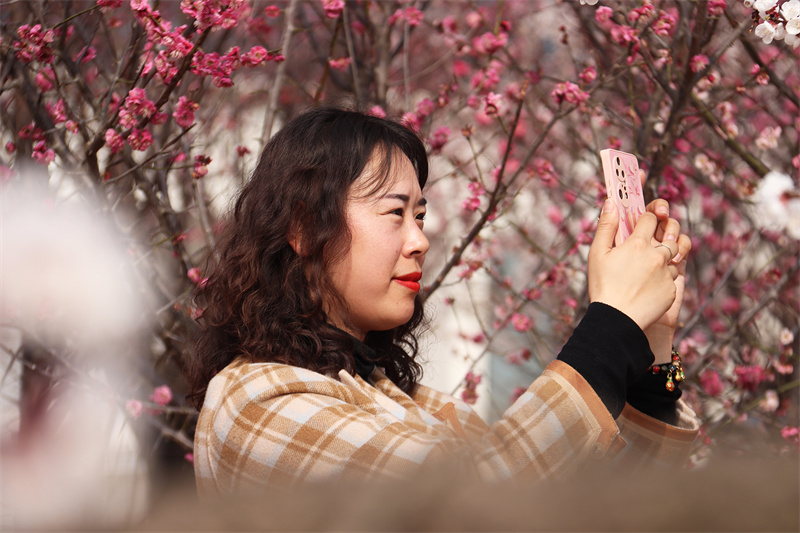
<point x="378" y="277"/>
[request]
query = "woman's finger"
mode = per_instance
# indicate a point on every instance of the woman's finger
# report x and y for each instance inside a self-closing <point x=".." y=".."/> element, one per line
<point x="673" y="270"/>
<point x="668" y="230"/>
<point x="684" y="247"/>
<point x="659" y="207"/>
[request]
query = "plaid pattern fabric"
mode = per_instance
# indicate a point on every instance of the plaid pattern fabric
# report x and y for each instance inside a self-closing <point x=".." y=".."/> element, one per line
<point x="273" y="424"/>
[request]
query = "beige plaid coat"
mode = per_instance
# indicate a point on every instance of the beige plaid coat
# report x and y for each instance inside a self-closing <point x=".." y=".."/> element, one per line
<point x="274" y="424"/>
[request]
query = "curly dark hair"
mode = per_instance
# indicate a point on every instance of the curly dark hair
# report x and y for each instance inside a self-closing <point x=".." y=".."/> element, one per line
<point x="263" y="302"/>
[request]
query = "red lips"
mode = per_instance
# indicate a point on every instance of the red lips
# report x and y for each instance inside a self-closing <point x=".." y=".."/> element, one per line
<point x="410" y="281"/>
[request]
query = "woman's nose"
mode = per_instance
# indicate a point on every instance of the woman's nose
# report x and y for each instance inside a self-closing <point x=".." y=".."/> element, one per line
<point x="416" y="243"/>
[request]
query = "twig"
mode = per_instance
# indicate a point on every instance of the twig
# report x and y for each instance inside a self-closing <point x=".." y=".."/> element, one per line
<point x="280" y="73"/>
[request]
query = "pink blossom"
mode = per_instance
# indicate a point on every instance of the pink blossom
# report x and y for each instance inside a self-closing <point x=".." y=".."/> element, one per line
<point x="568" y="91"/>
<point x="333" y="8"/>
<point x="184" y="112"/>
<point x="472" y="203"/>
<point x="682" y="145"/>
<point x="56" y="111"/>
<point x="241" y="151"/>
<point x="34" y="44"/>
<point x="518" y="391"/>
<point x="588" y="75"/>
<point x="222" y="14"/>
<point x="521" y="322"/>
<point x="412" y="15"/>
<point x="377" y="111"/>
<point x="664" y="24"/>
<point x="86" y="54"/>
<point x="45" y="79"/>
<point x="109" y="4"/>
<point x="140" y="5"/>
<point x="471" y="382"/>
<point x="473" y="19"/>
<point x="711" y="382"/>
<point x="272" y="11"/>
<point x="624" y="35"/>
<point x="518" y="357"/>
<point x="42" y="154"/>
<point x="256" y="56"/>
<point x="460" y="68"/>
<point x="341" y="63"/>
<point x="489" y="43"/>
<point x="449" y="24"/>
<point x="134" y="408"/>
<point x="749" y="377"/>
<point x="411" y="121"/>
<point x="492" y="104"/>
<point x="425" y="107"/>
<point x="11" y="147"/>
<point x="717" y="7"/>
<point x="189" y="457"/>
<point x="114" y="140"/>
<point x="194" y="275"/>
<point x="644" y="12"/>
<point x="31" y="131"/>
<point x="439" y="139"/>
<point x="603" y="14"/>
<point x="698" y="63"/>
<point x="140" y="139"/>
<point x="138" y="103"/>
<point x="200" y="166"/>
<point x="162" y="395"/>
<point x="791" y="435"/>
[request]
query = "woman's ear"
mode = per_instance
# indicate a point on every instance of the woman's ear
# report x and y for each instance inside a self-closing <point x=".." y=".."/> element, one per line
<point x="296" y="242"/>
<point x="295" y="234"/>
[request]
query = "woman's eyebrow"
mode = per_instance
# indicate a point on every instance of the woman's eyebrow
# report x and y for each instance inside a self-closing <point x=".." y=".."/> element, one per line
<point x="403" y="197"/>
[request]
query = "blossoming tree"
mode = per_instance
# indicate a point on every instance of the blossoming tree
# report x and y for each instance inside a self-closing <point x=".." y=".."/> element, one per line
<point x="153" y="113"/>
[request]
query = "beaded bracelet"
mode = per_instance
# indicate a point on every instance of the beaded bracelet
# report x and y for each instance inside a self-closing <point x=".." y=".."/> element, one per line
<point x="673" y="370"/>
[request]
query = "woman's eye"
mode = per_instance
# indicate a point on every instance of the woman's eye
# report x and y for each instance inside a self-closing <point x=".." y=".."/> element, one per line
<point x="421" y="216"/>
<point x="398" y="212"/>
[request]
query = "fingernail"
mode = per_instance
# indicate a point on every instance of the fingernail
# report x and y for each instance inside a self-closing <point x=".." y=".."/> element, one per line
<point x="677" y="258"/>
<point x="670" y="237"/>
<point x="662" y="210"/>
<point x="607" y="206"/>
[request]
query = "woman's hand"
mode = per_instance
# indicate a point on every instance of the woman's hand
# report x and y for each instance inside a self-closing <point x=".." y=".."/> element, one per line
<point x="661" y="333"/>
<point x="637" y="277"/>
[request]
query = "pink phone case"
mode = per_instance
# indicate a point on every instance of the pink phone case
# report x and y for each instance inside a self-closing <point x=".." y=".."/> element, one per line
<point x="621" y="172"/>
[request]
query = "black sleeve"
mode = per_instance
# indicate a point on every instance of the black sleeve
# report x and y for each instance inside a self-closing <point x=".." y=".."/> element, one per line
<point x="610" y="351"/>
<point x="649" y="395"/>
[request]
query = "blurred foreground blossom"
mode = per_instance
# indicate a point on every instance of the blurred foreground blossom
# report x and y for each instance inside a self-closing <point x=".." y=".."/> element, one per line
<point x="70" y="315"/>
<point x="778" y="204"/>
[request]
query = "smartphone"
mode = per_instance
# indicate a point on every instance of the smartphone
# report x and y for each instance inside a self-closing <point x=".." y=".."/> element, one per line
<point x="624" y="187"/>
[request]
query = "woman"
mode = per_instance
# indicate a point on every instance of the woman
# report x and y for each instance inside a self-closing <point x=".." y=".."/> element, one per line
<point x="305" y="365"/>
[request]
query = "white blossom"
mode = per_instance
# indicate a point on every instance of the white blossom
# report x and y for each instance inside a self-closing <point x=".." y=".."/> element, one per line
<point x="786" y="337"/>
<point x="780" y="32"/>
<point x="793" y="26"/>
<point x="768" y="138"/>
<point x="793" y="40"/>
<point x="766" y="32"/>
<point x="775" y="207"/>
<point x="764" y="5"/>
<point x="791" y="10"/>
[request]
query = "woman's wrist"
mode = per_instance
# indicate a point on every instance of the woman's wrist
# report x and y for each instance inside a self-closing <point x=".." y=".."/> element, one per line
<point x="660" y="339"/>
